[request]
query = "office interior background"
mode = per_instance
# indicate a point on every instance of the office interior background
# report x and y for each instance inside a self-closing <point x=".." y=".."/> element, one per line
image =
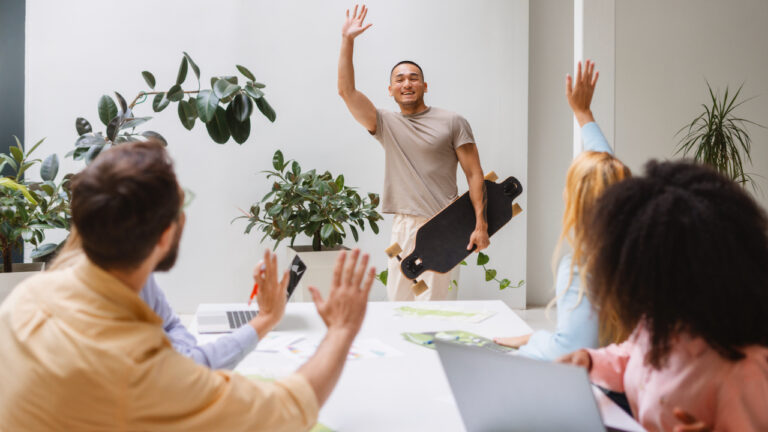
<point x="501" y="64"/>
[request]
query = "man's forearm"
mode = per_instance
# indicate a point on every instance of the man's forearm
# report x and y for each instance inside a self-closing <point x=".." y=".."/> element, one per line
<point x="323" y="369"/>
<point x="478" y="194"/>
<point x="346" y="77"/>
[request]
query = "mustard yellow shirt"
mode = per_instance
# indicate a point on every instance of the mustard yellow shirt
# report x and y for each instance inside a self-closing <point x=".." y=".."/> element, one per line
<point x="79" y="350"/>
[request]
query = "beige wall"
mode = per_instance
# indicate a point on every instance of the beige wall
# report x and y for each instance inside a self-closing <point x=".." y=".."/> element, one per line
<point x="664" y="52"/>
<point x="549" y="137"/>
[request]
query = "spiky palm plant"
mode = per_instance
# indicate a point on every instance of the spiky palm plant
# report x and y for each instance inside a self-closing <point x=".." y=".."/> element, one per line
<point x="719" y="138"/>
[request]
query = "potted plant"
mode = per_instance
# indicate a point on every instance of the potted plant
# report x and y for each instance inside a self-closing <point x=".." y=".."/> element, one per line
<point x="225" y="109"/>
<point x="719" y="138"/>
<point x="318" y="205"/>
<point x="28" y="208"/>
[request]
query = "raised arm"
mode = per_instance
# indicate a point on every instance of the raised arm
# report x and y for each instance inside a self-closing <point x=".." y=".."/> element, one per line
<point x="343" y="312"/>
<point x="359" y="105"/>
<point x="579" y="93"/>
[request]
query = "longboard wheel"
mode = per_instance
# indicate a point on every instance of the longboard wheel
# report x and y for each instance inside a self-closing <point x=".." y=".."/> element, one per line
<point x="419" y="287"/>
<point x="516" y="209"/>
<point x="394" y="250"/>
<point x="491" y="176"/>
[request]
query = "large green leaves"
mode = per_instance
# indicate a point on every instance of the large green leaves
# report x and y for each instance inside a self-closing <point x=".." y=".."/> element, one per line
<point x="218" y="129"/>
<point x="83" y="126"/>
<point x="160" y="102"/>
<point x="244" y="70"/>
<point x="207" y="104"/>
<point x="193" y="65"/>
<point x="240" y="129"/>
<point x="175" y="93"/>
<point x="107" y="109"/>
<point x="241" y="107"/>
<point x="224" y="89"/>
<point x="266" y="109"/>
<point x="49" y="168"/>
<point x="149" y="78"/>
<point x="182" y="75"/>
<point x="187" y="113"/>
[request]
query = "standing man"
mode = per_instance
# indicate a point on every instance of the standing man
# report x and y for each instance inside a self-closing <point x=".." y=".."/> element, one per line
<point x="422" y="146"/>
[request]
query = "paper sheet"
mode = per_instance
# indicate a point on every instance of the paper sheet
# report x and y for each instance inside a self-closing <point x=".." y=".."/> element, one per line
<point x="448" y="313"/>
<point x="361" y="349"/>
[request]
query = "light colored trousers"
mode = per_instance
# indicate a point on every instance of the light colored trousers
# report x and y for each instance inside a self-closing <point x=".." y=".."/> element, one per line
<point x="400" y="288"/>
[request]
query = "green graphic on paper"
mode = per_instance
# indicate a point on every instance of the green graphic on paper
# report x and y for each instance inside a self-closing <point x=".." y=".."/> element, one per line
<point x="321" y="428"/>
<point x="460" y="337"/>
<point x="408" y="310"/>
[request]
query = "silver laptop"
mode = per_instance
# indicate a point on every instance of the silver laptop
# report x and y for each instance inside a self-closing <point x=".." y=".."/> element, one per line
<point x="228" y="318"/>
<point x="503" y="392"/>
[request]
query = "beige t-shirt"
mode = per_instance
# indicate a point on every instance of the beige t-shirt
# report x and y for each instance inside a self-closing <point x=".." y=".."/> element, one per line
<point x="420" y="159"/>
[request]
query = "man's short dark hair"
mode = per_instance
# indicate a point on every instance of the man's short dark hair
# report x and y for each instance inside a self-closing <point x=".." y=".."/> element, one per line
<point x="122" y="203"/>
<point x="406" y="62"/>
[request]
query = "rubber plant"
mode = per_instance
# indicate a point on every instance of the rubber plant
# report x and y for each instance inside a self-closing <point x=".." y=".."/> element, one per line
<point x="28" y="208"/>
<point x="719" y="138"/>
<point x="225" y="109"/>
<point x="319" y="205"/>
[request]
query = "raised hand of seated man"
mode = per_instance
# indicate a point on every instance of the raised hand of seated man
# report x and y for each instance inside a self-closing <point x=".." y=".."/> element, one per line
<point x="272" y="294"/>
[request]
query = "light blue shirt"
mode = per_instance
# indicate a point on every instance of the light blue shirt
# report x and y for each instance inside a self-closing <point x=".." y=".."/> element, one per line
<point x="225" y="353"/>
<point x="577" y="325"/>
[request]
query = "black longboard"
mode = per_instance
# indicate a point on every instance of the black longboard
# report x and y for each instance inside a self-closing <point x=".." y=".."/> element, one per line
<point x="441" y="243"/>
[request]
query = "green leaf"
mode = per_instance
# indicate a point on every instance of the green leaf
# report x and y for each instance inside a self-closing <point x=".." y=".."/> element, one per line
<point x="8" y="183"/>
<point x="266" y="109"/>
<point x="217" y="127"/>
<point x="504" y="283"/>
<point x="239" y="129"/>
<point x="463" y="263"/>
<point x="192" y="64"/>
<point x="82" y="126"/>
<point x="91" y="154"/>
<point x="223" y="88"/>
<point x="133" y="122"/>
<point x="490" y="274"/>
<point x="207" y="104"/>
<point x="383" y="276"/>
<point x="160" y="102"/>
<point x="149" y="78"/>
<point x="175" y="93"/>
<point x="49" y="168"/>
<point x="374" y="226"/>
<point x="17" y="154"/>
<point x="187" y="114"/>
<point x="43" y="250"/>
<point x="296" y="168"/>
<point x="242" y="107"/>
<point x="326" y="231"/>
<point x="244" y="70"/>
<point x="482" y="259"/>
<point x="156" y="136"/>
<point x="107" y="109"/>
<point x="122" y="103"/>
<point x="354" y="232"/>
<point x="253" y="91"/>
<point x="258" y="85"/>
<point x="278" y="161"/>
<point x="113" y="127"/>
<point x="182" y="75"/>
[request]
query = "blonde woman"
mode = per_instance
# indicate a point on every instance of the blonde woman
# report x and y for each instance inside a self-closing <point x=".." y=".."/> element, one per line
<point x="588" y="176"/>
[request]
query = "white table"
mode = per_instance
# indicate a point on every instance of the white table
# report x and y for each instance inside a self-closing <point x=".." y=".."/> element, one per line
<point x="408" y="392"/>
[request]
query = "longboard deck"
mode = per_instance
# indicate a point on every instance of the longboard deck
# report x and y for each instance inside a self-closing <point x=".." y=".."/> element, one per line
<point x="441" y="243"/>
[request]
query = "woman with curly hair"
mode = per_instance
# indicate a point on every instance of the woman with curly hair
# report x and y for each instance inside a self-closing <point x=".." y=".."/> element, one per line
<point x="680" y="257"/>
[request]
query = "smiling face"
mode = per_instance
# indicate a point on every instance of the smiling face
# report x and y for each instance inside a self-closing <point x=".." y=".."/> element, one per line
<point x="407" y="86"/>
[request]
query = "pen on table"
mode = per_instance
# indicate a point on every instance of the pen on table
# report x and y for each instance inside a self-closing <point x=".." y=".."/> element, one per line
<point x="256" y="285"/>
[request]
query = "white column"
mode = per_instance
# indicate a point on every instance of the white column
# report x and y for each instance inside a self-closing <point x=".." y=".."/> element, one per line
<point x="594" y="38"/>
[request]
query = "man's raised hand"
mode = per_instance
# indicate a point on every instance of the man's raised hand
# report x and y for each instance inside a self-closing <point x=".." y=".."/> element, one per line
<point x="353" y="25"/>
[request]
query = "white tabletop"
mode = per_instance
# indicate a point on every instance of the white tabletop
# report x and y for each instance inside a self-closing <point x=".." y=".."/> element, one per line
<point x="406" y="392"/>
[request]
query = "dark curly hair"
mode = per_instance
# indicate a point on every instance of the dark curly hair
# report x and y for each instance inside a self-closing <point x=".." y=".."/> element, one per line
<point x="681" y="250"/>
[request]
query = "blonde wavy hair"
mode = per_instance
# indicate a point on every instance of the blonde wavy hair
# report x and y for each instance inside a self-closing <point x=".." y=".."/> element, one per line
<point x="589" y="175"/>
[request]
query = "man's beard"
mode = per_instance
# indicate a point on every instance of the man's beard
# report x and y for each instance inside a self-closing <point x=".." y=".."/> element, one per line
<point x="170" y="258"/>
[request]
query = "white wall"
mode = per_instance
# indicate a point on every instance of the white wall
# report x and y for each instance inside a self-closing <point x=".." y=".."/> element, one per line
<point x="665" y="51"/>
<point x="475" y="58"/>
<point x="550" y="135"/>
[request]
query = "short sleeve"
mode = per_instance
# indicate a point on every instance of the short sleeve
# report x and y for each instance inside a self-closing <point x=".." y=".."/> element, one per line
<point x="462" y="132"/>
<point x="380" y="122"/>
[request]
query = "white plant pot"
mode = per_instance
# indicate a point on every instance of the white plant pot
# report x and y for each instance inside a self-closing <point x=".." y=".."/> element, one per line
<point x="8" y="281"/>
<point x="320" y="265"/>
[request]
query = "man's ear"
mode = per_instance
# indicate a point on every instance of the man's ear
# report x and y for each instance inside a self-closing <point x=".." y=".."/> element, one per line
<point x="425" y="87"/>
<point x="165" y="242"/>
<point x="389" y="89"/>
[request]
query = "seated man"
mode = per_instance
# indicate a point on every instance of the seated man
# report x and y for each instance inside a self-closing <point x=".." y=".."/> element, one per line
<point x="80" y="349"/>
<point x="223" y="353"/>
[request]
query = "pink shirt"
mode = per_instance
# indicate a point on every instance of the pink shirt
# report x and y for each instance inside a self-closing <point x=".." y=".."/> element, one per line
<point x="726" y="395"/>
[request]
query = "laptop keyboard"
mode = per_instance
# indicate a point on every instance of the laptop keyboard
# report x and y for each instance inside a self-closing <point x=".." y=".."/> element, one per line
<point x="238" y="319"/>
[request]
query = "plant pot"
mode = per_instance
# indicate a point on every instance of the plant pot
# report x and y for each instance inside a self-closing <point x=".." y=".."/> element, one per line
<point x="8" y="281"/>
<point x="320" y="265"/>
